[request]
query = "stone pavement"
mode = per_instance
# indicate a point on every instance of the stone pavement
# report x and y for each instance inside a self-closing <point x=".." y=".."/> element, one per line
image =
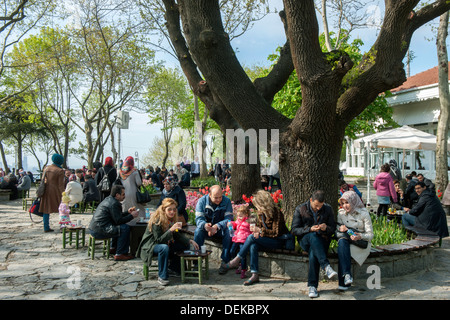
<point x="33" y="265"/>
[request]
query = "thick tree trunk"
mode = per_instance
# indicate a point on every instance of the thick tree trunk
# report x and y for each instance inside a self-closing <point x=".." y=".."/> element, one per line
<point x="311" y="165"/>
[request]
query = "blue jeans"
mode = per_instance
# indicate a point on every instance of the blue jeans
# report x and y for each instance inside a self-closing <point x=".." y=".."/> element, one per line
<point x="167" y="259"/>
<point x="46" y="220"/>
<point x="237" y="247"/>
<point x="253" y="245"/>
<point x="201" y="235"/>
<point x="408" y="220"/>
<point x="317" y="248"/>
<point x="345" y="262"/>
<point x="121" y="243"/>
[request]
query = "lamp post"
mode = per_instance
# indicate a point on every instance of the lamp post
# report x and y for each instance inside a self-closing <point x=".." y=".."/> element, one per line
<point x="136" y="159"/>
<point x="366" y="152"/>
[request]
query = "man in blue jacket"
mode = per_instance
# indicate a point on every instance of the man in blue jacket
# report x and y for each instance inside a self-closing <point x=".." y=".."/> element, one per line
<point x="211" y="216"/>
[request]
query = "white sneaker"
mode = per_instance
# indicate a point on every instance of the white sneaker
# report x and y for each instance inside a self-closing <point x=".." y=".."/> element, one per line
<point x="348" y="279"/>
<point x="163" y="282"/>
<point x="342" y="288"/>
<point x="330" y="272"/>
<point x="313" y="292"/>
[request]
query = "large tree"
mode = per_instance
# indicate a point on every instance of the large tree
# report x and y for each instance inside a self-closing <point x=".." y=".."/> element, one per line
<point x="334" y="90"/>
<point x="444" y="100"/>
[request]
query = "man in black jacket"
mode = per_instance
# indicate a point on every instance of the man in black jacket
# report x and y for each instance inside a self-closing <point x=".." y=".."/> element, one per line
<point x="428" y="213"/>
<point x="109" y="221"/>
<point x="313" y="224"/>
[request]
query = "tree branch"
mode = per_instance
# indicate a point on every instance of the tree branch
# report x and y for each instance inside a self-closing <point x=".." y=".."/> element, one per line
<point x="268" y="86"/>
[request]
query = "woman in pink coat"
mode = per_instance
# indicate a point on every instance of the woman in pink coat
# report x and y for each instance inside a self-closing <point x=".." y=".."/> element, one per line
<point x="385" y="189"/>
<point x="242" y="228"/>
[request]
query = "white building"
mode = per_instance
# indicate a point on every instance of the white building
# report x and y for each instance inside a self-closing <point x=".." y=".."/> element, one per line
<point x="416" y="104"/>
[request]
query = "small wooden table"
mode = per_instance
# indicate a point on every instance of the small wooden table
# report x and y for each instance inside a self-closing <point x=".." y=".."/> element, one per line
<point x="137" y="230"/>
<point x="69" y="231"/>
<point x="202" y="271"/>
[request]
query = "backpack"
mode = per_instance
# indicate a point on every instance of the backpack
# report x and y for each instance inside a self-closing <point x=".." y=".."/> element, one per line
<point x="104" y="184"/>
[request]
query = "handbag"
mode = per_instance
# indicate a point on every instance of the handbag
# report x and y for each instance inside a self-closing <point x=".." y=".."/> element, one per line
<point x="142" y="196"/>
<point x="41" y="189"/>
<point x="34" y="209"/>
<point x="360" y="243"/>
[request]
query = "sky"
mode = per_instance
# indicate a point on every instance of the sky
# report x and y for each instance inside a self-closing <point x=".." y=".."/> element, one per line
<point x="253" y="48"/>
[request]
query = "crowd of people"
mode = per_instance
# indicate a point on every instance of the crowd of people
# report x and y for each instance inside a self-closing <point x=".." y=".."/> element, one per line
<point x="17" y="183"/>
<point x="242" y="236"/>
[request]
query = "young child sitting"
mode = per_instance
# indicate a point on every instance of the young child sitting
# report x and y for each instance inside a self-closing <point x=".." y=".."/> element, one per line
<point x="242" y="228"/>
<point x="64" y="211"/>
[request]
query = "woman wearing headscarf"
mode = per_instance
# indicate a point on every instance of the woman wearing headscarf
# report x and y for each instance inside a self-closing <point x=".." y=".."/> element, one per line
<point x="107" y="169"/>
<point x="131" y="180"/>
<point x="355" y="217"/>
<point x="54" y="187"/>
<point x="174" y="191"/>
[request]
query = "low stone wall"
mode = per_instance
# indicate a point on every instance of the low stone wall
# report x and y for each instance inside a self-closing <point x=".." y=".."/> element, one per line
<point x="392" y="260"/>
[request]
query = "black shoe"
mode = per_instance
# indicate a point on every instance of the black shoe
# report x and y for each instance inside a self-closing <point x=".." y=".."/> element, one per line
<point x="173" y="273"/>
<point x="49" y="230"/>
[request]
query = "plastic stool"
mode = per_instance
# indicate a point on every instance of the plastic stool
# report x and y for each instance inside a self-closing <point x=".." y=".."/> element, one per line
<point x="68" y="231"/>
<point x="91" y="247"/>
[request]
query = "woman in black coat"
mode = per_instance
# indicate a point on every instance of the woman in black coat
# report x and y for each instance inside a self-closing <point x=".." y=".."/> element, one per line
<point x="174" y="191"/>
<point x="112" y="176"/>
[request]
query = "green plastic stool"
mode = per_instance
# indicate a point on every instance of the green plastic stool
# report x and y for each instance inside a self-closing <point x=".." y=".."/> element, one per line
<point x="91" y="247"/>
<point x="147" y="269"/>
<point x="67" y="231"/>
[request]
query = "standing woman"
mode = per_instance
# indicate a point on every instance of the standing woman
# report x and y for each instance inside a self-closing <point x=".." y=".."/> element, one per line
<point x="385" y="189"/>
<point x="131" y="180"/>
<point x="353" y="215"/>
<point x="163" y="239"/>
<point x="54" y="187"/>
<point x="270" y="226"/>
<point x="109" y="170"/>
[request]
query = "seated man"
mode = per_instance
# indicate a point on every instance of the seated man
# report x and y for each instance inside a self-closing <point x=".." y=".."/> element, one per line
<point x="313" y="224"/>
<point x="110" y="222"/>
<point x="411" y="197"/>
<point x="430" y="185"/>
<point x="24" y="182"/>
<point x="211" y="216"/>
<point x="428" y="213"/>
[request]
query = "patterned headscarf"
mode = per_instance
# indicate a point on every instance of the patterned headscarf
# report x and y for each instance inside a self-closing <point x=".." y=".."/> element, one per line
<point x="171" y="181"/>
<point x="353" y="199"/>
<point x="127" y="168"/>
<point x="72" y="177"/>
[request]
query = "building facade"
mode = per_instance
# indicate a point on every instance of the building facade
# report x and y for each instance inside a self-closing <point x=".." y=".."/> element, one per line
<point x="416" y="104"/>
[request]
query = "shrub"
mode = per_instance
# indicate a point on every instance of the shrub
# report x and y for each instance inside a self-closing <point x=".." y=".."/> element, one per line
<point x="202" y="183"/>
